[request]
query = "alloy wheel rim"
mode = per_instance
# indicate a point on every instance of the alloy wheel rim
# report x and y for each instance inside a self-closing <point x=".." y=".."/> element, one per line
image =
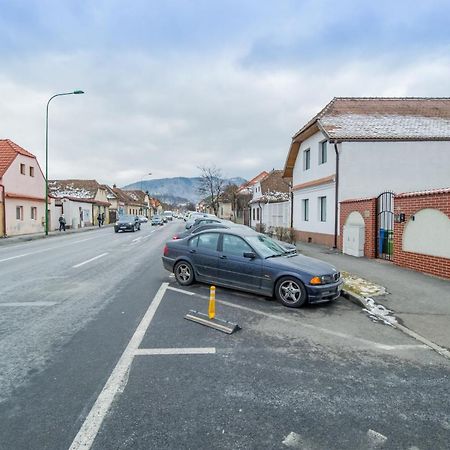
<point x="290" y="291"/>
<point x="183" y="272"/>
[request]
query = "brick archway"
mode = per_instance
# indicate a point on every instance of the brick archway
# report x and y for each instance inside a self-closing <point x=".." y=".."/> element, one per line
<point x="367" y="209"/>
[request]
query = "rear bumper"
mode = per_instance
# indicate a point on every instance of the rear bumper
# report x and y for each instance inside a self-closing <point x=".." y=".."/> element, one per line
<point x="168" y="263"/>
<point x="325" y="293"/>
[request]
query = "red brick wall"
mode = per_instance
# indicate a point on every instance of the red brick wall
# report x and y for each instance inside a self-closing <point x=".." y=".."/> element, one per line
<point x="410" y="205"/>
<point x="315" y="238"/>
<point x="367" y="208"/>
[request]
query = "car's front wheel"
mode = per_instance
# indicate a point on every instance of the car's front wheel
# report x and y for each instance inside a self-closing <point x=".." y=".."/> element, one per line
<point x="291" y="292"/>
<point x="184" y="273"/>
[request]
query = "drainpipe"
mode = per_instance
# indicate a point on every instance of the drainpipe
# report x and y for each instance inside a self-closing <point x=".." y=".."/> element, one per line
<point x="4" y="210"/>
<point x="292" y="203"/>
<point x="336" y="199"/>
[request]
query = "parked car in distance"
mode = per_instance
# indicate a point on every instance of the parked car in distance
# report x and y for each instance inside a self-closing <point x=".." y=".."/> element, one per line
<point x="127" y="223"/>
<point x="168" y="215"/>
<point x="197" y="228"/>
<point x="198" y="216"/>
<point x="143" y="219"/>
<point x="157" y="220"/>
<point x="249" y="261"/>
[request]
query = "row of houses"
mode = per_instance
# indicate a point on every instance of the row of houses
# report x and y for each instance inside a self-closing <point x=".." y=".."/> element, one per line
<point x="82" y="202"/>
<point x="368" y="176"/>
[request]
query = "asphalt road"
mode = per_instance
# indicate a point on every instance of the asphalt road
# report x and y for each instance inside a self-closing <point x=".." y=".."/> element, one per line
<point x="95" y="353"/>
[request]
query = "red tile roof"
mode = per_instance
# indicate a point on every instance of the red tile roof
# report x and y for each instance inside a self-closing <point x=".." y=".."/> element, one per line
<point x="8" y="152"/>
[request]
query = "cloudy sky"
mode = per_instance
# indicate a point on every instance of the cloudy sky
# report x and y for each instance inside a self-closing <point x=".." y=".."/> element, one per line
<point x="171" y="84"/>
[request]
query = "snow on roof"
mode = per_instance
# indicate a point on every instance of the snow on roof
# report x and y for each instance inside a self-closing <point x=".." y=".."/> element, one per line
<point x="379" y="126"/>
<point x="82" y="189"/>
<point x="272" y="197"/>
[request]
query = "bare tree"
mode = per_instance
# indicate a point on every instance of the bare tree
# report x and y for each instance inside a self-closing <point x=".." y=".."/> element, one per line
<point x="211" y="186"/>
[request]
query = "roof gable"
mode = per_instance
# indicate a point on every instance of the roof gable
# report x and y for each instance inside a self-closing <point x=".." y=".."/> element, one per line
<point x="376" y="118"/>
<point x="8" y="152"/>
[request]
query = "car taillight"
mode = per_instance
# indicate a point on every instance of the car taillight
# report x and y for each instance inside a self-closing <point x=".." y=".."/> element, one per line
<point x="166" y="250"/>
<point x="175" y="238"/>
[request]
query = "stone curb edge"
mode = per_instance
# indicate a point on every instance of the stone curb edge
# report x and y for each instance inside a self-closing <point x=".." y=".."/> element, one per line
<point x="358" y="300"/>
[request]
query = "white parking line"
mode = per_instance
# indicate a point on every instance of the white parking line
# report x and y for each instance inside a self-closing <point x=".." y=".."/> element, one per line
<point x="117" y="381"/>
<point x="89" y="260"/>
<point x="175" y="351"/>
<point x="306" y="325"/>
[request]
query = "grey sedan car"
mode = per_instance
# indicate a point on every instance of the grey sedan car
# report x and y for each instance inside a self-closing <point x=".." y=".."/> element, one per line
<point x="249" y="261"/>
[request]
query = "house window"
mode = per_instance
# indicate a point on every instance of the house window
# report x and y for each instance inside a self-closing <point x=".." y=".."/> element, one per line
<point x="22" y="169"/>
<point x="305" y="209"/>
<point x="323" y="209"/>
<point x="31" y="171"/>
<point x="306" y="159"/>
<point x="19" y="212"/>
<point x="33" y="213"/>
<point x="257" y="214"/>
<point x="323" y="152"/>
<point x="254" y="213"/>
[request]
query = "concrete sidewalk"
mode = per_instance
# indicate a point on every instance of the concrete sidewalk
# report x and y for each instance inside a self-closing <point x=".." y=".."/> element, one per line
<point x="420" y="302"/>
<point x="34" y="236"/>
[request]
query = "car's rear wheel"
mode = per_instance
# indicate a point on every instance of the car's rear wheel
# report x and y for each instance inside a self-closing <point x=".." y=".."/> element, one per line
<point x="184" y="273"/>
<point x="291" y="292"/>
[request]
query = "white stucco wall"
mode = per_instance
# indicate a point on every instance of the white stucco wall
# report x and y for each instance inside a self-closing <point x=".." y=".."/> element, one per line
<point x="27" y="225"/>
<point x="72" y="213"/>
<point x="317" y="170"/>
<point x="369" y="168"/>
<point x="428" y="233"/>
<point x="314" y="224"/>
<point x="17" y="183"/>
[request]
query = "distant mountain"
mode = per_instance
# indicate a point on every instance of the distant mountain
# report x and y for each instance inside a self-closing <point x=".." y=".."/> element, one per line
<point x="176" y="190"/>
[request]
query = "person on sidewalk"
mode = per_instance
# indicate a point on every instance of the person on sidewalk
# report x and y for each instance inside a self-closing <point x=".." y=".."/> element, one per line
<point x="62" y="223"/>
<point x="103" y="219"/>
<point x="99" y="220"/>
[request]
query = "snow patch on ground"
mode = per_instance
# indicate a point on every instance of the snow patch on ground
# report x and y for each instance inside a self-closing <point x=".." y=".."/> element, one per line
<point x="378" y="313"/>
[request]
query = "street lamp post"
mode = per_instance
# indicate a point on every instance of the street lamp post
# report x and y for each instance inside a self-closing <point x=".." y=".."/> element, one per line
<point x="46" y="152"/>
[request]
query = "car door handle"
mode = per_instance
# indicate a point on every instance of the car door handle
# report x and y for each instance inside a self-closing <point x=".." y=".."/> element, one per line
<point x="222" y="257"/>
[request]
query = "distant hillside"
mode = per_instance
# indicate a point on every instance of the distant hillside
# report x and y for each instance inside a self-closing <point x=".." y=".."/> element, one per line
<point x="176" y="190"/>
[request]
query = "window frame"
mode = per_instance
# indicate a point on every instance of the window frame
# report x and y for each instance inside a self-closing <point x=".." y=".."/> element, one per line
<point x="323" y="208"/>
<point x="33" y="213"/>
<point x="323" y="150"/>
<point x="305" y="209"/>
<point x="23" y="169"/>
<point x="19" y="212"/>
<point x="31" y="171"/>
<point x="307" y="160"/>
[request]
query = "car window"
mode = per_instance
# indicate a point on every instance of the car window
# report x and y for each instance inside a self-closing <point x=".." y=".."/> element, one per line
<point x="208" y="241"/>
<point x="193" y="242"/>
<point x="234" y="245"/>
<point x="266" y="246"/>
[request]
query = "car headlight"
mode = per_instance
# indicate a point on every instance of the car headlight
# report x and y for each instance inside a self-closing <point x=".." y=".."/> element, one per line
<point x="131" y="224"/>
<point x="324" y="279"/>
<point x="117" y="223"/>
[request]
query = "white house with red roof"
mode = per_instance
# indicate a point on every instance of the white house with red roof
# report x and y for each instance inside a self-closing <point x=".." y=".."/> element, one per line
<point x="22" y="191"/>
<point x="360" y="148"/>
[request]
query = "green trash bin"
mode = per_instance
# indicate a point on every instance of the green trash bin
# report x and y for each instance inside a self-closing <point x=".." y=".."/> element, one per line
<point x="390" y="243"/>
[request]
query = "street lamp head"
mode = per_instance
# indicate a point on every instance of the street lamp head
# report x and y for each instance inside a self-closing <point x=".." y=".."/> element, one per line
<point x="78" y="92"/>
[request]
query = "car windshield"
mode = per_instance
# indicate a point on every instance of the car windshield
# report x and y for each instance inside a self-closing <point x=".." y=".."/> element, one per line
<point x="266" y="246"/>
<point x="126" y="218"/>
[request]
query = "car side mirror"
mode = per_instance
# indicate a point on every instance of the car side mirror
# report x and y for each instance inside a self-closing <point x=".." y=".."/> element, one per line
<point x="249" y="255"/>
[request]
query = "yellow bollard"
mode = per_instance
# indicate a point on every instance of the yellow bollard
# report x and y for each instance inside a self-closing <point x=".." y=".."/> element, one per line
<point x="212" y="302"/>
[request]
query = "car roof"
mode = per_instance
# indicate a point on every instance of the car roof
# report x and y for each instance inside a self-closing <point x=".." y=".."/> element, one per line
<point x="241" y="231"/>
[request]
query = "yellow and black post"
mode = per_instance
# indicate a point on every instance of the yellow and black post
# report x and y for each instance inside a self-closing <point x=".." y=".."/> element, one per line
<point x="212" y="302"/>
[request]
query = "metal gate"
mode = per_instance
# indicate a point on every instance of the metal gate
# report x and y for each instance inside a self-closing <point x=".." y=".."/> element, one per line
<point x="385" y="226"/>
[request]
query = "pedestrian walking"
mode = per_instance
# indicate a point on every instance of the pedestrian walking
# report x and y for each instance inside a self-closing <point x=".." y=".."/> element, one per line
<point x="62" y="223"/>
<point x="103" y="218"/>
<point x="99" y="220"/>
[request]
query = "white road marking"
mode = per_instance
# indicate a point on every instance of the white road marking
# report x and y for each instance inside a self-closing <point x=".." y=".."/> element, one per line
<point x="89" y="260"/>
<point x="117" y="381"/>
<point x="46" y="249"/>
<point x="137" y="239"/>
<point x="182" y="291"/>
<point x="305" y="325"/>
<point x="28" y="304"/>
<point x="175" y="351"/>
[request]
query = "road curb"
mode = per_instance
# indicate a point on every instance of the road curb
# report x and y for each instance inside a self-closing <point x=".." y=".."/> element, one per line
<point x="360" y="301"/>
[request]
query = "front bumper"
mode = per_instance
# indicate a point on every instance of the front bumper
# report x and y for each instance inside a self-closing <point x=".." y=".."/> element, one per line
<point x="324" y="293"/>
